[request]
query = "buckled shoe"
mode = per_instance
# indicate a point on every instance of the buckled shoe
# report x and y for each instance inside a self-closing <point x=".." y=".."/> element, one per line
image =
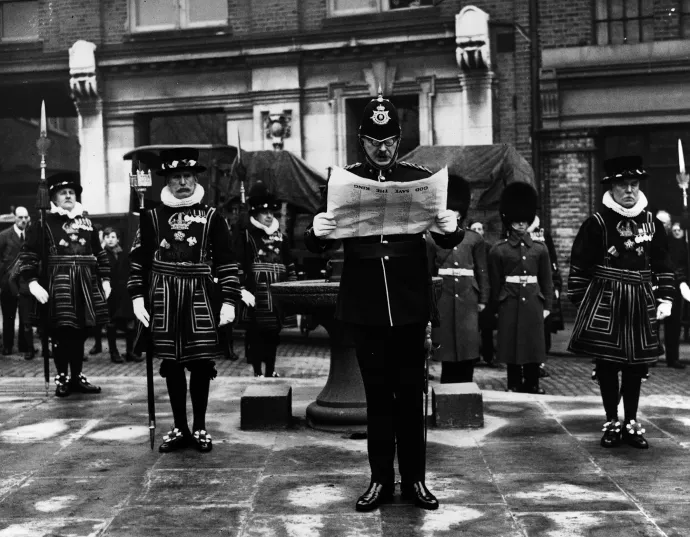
<point x="174" y="440"/>
<point x="632" y="434"/>
<point x="374" y="496"/>
<point x="80" y="384"/>
<point x="203" y="441"/>
<point x="62" y="383"/>
<point x="421" y="496"/>
<point x="612" y="434"/>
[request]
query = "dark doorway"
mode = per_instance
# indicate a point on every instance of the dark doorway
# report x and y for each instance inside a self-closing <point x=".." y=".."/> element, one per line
<point x="408" y="115"/>
<point x="658" y="146"/>
<point x="185" y="128"/>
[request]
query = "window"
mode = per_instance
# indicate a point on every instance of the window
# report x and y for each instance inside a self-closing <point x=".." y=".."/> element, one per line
<point x="19" y="20"/>
<point x="151" y="15"/>
<point x="624" y="21"/>
<point x="356" y="7"/>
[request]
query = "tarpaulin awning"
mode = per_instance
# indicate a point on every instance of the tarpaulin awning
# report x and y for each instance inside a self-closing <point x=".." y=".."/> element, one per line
<point x="488" y="168"/>
<point x="287" y="177"/>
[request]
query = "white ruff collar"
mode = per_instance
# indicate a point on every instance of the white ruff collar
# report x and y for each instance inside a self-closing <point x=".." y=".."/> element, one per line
<point x="171" y="201"/>
<point x="78" y="210"/>
<point x="270" y="230"/>
<point x="628" y="213"/>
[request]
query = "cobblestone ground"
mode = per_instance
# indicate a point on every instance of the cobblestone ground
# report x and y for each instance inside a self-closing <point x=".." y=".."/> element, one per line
<point x="301" y="356"/>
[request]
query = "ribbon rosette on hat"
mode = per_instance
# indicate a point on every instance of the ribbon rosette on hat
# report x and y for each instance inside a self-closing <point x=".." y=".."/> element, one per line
<point x="165" y="244"/>
<point x="179" y="236"/>
<point x="63" y="242"/>
<point x="191" y="240"/>
<point x="74" y="237"/>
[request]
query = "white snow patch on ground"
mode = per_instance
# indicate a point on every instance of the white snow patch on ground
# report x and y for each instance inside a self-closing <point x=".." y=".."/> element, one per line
<point x="56" y="503"/>
<point x="41" y="528"/>
<point x="304" y="526"/>
<point x="446" y="517"/>
<point x="35" y="432"/>
<point x="316" y="496"/>
<point x="573" y="524"/>
<point x="568" y="491"/>
<point x="467" y="437"/>
<point x="136" y="432"/>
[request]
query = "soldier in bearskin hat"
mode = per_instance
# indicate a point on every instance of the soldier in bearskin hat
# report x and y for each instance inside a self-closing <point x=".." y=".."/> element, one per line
<point x="172" y="265"/>
<point x="385" y="301"/>
<point x="78" y="279"/>
<point x="616" y="255"/>
<point x="521" y="290"/>
<point x="465" y="293"/>
<point x="264" y="257"/>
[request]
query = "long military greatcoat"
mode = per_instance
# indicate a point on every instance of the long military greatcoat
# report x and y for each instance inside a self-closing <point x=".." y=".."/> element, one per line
<point x="520" y="306"/>
<point x="386" y="279"/>
<point x="458" y="333"/>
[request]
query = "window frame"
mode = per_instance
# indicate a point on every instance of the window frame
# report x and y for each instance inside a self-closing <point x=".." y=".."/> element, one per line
<point x="624" y="19"/>
<point x="183" y="21"/>
<point x="382" y="6"/>
<point x="683" y="14"/>
<point x="18" y="39"/>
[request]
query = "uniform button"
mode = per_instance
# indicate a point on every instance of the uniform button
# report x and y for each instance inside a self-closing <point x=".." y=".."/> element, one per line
<point x="456" y="279"/>
<point x="524" y="257"/>
<point x="384" y="242"/>
<point x="386" y="258"/>
<point x="522" y="244"/>
<point x="524" y="285"/>
<point x="523" y="298"/>
<point x="455" y="247"/>
<point x="456" y="296"/>
<point x="456" y="263"/>
<point x="524" y="272"/>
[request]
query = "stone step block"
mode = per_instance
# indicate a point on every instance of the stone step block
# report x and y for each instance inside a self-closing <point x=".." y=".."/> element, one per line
<point x="458" y="406"/>
<point x="266" y="406"/>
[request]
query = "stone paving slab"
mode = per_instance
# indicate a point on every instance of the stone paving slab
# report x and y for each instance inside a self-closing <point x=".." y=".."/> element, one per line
<point x="535" y="469"/>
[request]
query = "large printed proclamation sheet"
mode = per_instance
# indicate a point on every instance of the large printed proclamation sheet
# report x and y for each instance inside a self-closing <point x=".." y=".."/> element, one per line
<point x="364" y="207"/>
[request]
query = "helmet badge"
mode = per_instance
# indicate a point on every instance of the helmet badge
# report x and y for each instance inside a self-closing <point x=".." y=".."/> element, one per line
<point x="380" y="115"/>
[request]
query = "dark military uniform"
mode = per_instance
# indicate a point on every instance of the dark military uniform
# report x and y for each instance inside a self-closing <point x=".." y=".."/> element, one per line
<point x="385" y="298"/>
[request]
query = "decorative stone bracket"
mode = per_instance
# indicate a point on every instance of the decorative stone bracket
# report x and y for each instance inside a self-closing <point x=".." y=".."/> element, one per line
<point x="82" y="71"/>
<point x="473" y="51"/>
<point x="277" y="127"/>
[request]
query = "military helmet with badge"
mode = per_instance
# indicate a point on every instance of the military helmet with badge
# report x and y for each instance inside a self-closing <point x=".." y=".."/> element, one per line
<point x="380" y="124"/>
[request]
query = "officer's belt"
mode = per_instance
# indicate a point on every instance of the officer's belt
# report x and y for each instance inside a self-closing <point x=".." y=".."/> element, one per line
<point x="75" y="260"/>
<point x="521" y="279"/>
<point x="180" y="270"/>
<point x="383" y="250"/>
<point x="622" y="275"/>
<point x="455" y="272"/>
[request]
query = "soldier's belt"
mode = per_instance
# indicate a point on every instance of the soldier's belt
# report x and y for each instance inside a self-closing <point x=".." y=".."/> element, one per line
<point x="385" y="250"/>
<point x="622" y="275"/>
<point x="181" y="270"/>
<point x="521" y="279"/>
<point x="75" y="260"/>
<point x="455" y="272"/>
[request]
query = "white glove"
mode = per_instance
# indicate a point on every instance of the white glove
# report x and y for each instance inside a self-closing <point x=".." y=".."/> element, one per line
<point x="248" y="298"/>
<point x="324" y="224"/>
<point x="447" y="221"/>
<point x="38" y="291"/>
<point x="140" y="311"/>
<point x="663" y="310"/>
<point x="546" y="313"/>
<point x="685" y="291"/>
<point x="106" y="288"/>
<point x="227" y="314"/>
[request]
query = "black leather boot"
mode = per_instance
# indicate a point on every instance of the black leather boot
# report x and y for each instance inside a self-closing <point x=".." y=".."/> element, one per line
<point x="80" y="384"/>
<point x="111" y="334"/>
<point x="420" y="495"/>
<point x="374" y="496"/>
<point x="612" y="434"/>
<point x="174" y="440"/>
<point x="62" y="383"/>
<point x="632" y="434"/>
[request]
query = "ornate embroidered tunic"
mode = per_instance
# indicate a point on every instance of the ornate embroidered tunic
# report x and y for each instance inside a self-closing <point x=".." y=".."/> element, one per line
<point x="172" y="263"/>
<point x="264" y="259"/>
<point x="75" y="262"/>
<point x="613" y="262"/>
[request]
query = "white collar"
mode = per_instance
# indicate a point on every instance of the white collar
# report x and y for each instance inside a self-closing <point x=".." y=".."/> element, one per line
<point x="171" y="201"/>
<point x="77" y="211"/>
<point x="628" y="213"/>
<point x="270" y="230"/>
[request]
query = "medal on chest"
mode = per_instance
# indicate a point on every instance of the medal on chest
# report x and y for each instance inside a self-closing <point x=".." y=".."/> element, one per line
<point x="180" y="224"/>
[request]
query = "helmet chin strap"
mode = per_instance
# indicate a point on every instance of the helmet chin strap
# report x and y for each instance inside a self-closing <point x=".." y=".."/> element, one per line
<point x="375" y="164"/>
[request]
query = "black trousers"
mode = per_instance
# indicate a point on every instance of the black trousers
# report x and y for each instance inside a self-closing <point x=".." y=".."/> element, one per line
<point x="261" y="347"/>
<point x="391" y="360"/>
<point x="672" y="329"/>
<point x="452" y="372"/>
<point x="68" y="350"/>
<point x="8" y="305"/>
<point x="487" y="325"/>
<point x="523" y="377"/>
<point x="629" y="388"/>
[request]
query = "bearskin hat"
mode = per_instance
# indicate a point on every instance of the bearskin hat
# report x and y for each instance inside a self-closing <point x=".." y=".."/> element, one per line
<point x="260" y="199"/>
<point x="459" y="194"/>
<point x="620" y="168"/>
<point x="518" y="203"/>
